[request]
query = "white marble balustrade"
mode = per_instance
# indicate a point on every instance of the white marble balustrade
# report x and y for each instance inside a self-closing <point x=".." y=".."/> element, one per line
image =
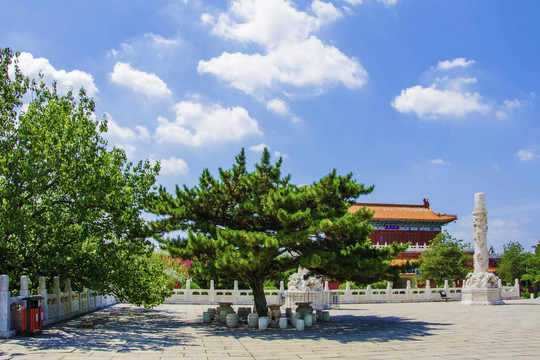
<point x="57" y="305"/>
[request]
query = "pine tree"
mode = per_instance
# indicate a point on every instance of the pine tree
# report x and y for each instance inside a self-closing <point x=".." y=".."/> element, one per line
<point x="252" y="225"/>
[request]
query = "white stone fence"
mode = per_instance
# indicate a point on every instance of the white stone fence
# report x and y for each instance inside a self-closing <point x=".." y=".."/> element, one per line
<point x="214" y="296"/>
<point x="409" y="294"/>
<point x="57" y="306"/>
<point x="342" y="296"/>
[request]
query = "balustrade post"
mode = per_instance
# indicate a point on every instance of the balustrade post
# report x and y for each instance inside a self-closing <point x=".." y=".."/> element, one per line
<point x="281" y="286"/>
<point x="236" y="293"/>
<point x="389" y="292"/>
<point x="212" y="292"/>
<point x="446" y="288"/>
<point x="499" y="283"/>
<point x="369" y="293"/>
<point x="5" y="308"/>
<point x="42" y="290"/>
<point x="57" y="292"/>
<point x="24" y="291"/>
<point x="408" y="291"/>
<point x="67" y="289"/>
<point x="348" y="297"/>
<point x="517" y="287"/>
<point x="428" y="290"/>
<point x="188" y="290"/>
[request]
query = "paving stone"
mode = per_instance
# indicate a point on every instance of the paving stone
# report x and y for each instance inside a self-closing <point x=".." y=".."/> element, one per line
<point x="367" y="331"/>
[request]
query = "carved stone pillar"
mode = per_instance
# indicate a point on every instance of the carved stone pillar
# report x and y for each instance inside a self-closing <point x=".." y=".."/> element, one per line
<point x="481" y="287"/>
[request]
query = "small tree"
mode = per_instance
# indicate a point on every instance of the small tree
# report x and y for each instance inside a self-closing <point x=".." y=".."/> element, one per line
<point x="513" y="263"/>
<point x="444" y="260"/>
<point x="254" y="225"/>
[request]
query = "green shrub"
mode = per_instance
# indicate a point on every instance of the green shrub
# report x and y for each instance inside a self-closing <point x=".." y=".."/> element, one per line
<point x="192" y="286"/>
<point x="352" y="285"/>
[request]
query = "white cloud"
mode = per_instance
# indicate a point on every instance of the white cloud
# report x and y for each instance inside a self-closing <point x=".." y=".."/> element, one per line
<point x="439" y="162"/>
<point x="138" y="81"/>
<point x="145" y="46"/>
<point x="159" y="40"/>
<point x="509" y="106"/>
<point x="198" y="125"/>
<point x="280" y="154"/>
<point x="259" y="148"/>
<point x="292" y="55"/>
<point x="207" y="19"/>
<point x="528" y="154"/>
<point x="75" y="79"/>
<point x="265" y="22"/>
<point x="458" y="62"/>
<point x="304" y="64"/>
<point x="386" y="2"/>
<point x="118" y="132"/>
<point x="459" y="83"/>
<point x="278" y="106"/>
<point x="172" y="165"/>
<point x="124" y="137"/>
<point x="446" y="96"/>
<point x="513" y="103"/>
<point x="501" y="223"/>
<point x="325" y="12"/>
<point x="431" y="102"/>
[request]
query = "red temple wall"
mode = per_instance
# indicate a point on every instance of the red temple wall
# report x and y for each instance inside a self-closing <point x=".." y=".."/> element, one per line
<point x="390" y="236"/>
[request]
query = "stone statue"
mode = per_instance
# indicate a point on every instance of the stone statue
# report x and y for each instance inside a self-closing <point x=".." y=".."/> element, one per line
<point x="299" y="282"/>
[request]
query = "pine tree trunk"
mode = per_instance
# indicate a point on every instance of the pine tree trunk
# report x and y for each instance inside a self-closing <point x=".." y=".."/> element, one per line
<point x="260" y="298"/>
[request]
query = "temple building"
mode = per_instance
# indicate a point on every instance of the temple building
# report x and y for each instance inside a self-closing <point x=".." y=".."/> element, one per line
<point x="417" y="224"/>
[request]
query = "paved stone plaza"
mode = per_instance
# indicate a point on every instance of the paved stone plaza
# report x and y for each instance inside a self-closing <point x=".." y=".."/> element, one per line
<point x="367" y="331"/>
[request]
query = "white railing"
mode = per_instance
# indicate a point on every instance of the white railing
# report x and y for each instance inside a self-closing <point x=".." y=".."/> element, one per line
<point x="57" y="305"/>
<point x="214" y="296"/>
<point x="342" y="296"/>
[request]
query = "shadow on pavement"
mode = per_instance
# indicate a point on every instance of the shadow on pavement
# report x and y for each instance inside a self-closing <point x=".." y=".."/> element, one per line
<point x="119" y="329"/>
<point x="349" y="328"/>
<point x="125" y="329"/>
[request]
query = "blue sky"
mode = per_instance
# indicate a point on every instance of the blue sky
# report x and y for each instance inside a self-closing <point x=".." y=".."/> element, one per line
<point x="422" y="98"/>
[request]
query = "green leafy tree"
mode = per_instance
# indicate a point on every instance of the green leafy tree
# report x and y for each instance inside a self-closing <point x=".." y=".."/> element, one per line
<point x="444" y="260"/>
<point x="513" y="263"/>
<point x="254" y="225"/>
<point x="68" y="206"/>
<point x="532" y="272"/>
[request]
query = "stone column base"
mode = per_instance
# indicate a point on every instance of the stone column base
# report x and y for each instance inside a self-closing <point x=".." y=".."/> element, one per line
<point x="481" y="296"/>
<point x="7" y="334"/>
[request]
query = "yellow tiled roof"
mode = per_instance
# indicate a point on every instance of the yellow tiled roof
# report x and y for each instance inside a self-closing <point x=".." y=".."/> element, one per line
<point x="404" y="212"/>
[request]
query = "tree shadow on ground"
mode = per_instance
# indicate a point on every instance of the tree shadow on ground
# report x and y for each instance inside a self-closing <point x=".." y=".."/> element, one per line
<point x="120" y="329"/>
<point x="125" y="329"/>
<point x="351" y="328"/>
